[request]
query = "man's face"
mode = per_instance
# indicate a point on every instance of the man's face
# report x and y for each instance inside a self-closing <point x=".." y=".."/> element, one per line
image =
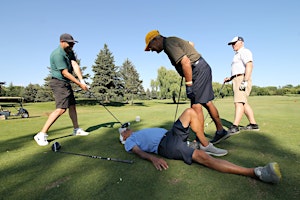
<point x="125" y="134"/>
<point x="237" y="45"/>
<point x="155" y="45"/>
<point x="68" y="46"/>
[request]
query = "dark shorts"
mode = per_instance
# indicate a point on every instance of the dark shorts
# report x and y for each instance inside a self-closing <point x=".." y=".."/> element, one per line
<point x="174" y="144"/>
<point x="63" y="93"/>
<point x="202" y="82"/>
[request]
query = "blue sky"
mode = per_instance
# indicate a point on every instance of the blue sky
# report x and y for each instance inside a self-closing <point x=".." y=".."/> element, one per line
<point x="30" y="30"/>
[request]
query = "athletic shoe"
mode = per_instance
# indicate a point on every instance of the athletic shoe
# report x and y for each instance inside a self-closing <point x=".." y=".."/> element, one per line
<point x="252" y="127"/>
<point x="233" y="130"/>
<point x="41" y="139"/>
<point x="219" y="136"/>
<point x="212" y="150"/>
<point x="269" y="173"/>
<point x="193" y="145"/>
<point x="79" y="131"/>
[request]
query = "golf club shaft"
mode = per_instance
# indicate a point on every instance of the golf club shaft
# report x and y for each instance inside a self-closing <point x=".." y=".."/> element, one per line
<point x="98" y="157"/>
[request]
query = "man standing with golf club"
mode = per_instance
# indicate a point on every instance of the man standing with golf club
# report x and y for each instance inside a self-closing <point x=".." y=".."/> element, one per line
<point x="241" y="73"/>
<point x="63" y="63"/>
<point x="197" y="73"/>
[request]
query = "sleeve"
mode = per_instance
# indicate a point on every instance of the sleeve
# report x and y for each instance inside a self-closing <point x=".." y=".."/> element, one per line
<point x="59" y="62"/>
<point x="246" y="56"/>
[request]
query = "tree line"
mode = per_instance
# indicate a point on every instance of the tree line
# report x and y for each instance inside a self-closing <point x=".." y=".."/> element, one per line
<point x="122" y="83"/>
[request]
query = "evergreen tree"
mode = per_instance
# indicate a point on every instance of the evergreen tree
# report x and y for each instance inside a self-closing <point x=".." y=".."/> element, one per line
<point x="30" y="92"/>
<point x="130" y="79"/>
<point x="106" y="83"/>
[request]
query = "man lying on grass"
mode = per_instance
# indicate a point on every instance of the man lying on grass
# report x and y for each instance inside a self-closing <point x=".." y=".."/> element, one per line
<point x="172" y="144"/>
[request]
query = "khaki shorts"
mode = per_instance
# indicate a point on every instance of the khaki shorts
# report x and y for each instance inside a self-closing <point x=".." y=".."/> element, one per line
<point x="240" y="96"/>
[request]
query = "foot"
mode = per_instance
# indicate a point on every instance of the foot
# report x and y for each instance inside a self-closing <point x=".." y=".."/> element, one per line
<point x="252" y="127"/>
<point x="41" y="139"/>
<point x="269" y="173"/>
<point x="233" y="130"/>
<point x="219" y="136"/>
<point x="212" y="150"/>
<point x="80" y="132"/>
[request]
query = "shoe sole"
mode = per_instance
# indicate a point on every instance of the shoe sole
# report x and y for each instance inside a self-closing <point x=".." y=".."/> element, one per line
<point x="234" y="133"/>
<point x="218" y="155"/>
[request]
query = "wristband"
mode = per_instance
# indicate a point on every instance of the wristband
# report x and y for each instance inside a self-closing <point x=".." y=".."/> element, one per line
<point x="189" y="82"/>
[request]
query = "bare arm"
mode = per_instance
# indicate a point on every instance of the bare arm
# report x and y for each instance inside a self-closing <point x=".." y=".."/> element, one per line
<point x="248" y="71"/>
<point x="158" y="163"/>
<point x="187" y="68"/>
<point x="76" y="69"/>
<point x="69" y="76"/>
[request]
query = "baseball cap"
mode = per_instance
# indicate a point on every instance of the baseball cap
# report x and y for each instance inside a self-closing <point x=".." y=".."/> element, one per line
<point x="121" y="130"/>
<point x="67" y="38"/>
<point x="152" y="34"/>
<point x="235" y="39"/>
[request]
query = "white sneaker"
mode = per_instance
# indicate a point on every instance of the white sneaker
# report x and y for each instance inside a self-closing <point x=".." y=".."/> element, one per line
<point x="212" y="150"/>
<point x="79" y="131"/>
<point x="41" y="139"/>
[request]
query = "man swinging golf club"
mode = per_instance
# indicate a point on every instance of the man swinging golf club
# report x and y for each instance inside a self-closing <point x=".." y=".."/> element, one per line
<point x="172" y="144"/>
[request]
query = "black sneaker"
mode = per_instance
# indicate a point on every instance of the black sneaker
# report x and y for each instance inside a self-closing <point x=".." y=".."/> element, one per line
<point x="233" y="130"/>
<point x="219" y="136"/>
<point x="252" y="127"/>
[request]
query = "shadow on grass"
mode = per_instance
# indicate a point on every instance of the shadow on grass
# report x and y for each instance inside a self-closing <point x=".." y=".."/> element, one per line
<point x="89" y="102"/>
<point x="108" y="125"/>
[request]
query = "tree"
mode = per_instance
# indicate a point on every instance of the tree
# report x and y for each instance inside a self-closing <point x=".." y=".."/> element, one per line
<point x="130" y="79"/>
<point x="30" y="92"/>
<point x="169" y="83"/>
<point x="106" y="84"/>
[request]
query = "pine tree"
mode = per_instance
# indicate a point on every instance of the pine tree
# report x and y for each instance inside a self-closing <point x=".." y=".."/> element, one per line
<point x="130" y="78"/>
<point x="106" y="83"/>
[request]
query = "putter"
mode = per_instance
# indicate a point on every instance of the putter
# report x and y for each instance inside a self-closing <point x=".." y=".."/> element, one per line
<point x="56" y="148"/>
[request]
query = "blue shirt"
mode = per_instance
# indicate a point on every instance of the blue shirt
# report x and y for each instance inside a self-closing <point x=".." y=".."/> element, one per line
<point x="147" y="139"/>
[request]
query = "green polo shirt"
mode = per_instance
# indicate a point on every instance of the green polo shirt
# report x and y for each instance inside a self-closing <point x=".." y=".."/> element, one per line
<point x="176" y="48"/>
<point x="60" y="60"/>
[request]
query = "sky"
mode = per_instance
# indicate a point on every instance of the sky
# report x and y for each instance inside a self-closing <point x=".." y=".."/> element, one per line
<point x="30" y="31"/>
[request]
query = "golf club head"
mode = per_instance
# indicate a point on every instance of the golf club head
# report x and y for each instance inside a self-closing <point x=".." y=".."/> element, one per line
<point x="125" y="125"/>
<point x="56" y="146"/>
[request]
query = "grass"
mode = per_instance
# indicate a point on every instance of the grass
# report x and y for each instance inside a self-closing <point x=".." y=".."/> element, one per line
<point x="29" y="171"/>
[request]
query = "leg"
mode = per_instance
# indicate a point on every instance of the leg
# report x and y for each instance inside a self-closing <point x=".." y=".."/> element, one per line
<point x="52" y="118"/>
<point x="73" y="115"/>
<point x="190" y="118"/>
<point x="249" y="113"/>
<point x="213" y="112"/>
<point x="221" y="165"/>
<point x="239" y="111"/>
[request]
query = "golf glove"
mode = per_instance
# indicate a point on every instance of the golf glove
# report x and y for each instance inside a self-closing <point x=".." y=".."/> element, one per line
<point x="243" y="85"/>
<point x="189" y="92"/>
<point x="83" y="82"/>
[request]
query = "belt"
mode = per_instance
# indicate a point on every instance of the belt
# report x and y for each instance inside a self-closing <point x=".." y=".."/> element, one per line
<point x="232" y="77"/>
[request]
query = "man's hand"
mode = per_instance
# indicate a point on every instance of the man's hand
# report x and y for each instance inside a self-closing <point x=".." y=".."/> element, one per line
<point x="159" y="163"/>
<point x="83" y="85"/>
<point x="189" y="92"/>
<point x="243" y="85"/>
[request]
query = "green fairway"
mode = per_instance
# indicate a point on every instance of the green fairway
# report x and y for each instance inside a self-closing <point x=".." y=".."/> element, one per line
<point x="29" y="171"/>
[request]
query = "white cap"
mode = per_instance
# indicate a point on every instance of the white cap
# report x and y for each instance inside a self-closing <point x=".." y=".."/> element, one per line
<point x="235" y="39"/>
<point x="121" y="130"/>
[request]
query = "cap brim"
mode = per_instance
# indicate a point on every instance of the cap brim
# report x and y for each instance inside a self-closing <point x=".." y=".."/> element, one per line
<point x="147" y="48"/>
<point x="230" y="43"/>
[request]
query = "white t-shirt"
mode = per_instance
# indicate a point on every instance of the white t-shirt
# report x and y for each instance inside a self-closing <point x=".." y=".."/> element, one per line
<point x="240" y="59"/>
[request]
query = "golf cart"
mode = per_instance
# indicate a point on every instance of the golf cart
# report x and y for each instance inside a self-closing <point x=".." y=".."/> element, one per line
<point x="6" y="102"/>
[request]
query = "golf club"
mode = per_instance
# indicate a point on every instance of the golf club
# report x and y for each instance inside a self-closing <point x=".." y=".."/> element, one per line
<point x="175" y="117"/>
<point x="56" y="147"/>
<point x="93" y="95"/>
